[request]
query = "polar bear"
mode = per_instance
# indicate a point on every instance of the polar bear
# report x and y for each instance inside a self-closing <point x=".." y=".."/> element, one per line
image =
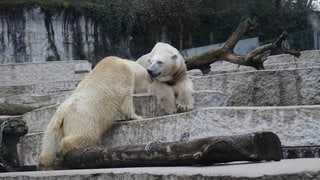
<point x="171" y="85"/>
<point x="102" y="96"/>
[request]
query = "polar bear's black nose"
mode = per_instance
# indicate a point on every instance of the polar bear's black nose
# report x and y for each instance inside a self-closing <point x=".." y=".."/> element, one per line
<point x="152" y="73"/>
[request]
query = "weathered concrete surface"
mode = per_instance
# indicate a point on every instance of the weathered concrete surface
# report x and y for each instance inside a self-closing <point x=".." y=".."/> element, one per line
<point x="285" y="169"/>
<point x="295" y="126"/>
<point x="145" y="105"/>
<point x="42" y="88"/>
<point x="43" y="36"/>
<point x="310" y="56"/>
<point x="23" y="103"/>
<point x="29" y="73"/>
<point x="251" y="88"/>
<point x="226" y="67"/>
<point x="266" y="88"/>
<point x="8" y="118"/>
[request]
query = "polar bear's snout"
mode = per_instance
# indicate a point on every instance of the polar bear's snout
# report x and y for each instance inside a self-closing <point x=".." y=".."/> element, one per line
<point x="155" y="69"/>
<point x="153" y="74"/>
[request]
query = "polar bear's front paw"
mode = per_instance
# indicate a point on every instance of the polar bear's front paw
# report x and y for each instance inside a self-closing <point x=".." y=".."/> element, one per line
<point x="184" y="106"/>
<point x="135" y="117"/>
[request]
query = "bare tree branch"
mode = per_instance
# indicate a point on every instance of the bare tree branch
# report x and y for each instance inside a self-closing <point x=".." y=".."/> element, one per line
<point x="254" y="58"/>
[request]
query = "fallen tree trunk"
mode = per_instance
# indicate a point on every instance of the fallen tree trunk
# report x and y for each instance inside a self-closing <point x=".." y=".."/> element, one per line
<point x="249" y="147"/>
<point x="254" y="58"/>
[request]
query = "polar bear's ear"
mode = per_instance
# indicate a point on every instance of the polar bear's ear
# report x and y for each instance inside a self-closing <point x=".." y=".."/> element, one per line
<point x="174" y="57"/>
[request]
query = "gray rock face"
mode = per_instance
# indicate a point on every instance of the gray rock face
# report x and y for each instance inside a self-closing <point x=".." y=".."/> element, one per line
<point x="31" y="35"/>
<point x="31" y="73"/>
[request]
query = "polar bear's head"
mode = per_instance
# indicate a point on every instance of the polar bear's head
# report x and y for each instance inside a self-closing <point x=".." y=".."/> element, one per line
<point x="162" y="67"/>
<point x="164" y="63"/>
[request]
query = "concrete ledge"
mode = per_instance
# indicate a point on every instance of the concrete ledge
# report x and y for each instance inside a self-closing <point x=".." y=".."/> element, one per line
<point x="295" y="126"/>
<point x="285" y="169"/>
<point x="38" y="88"/>
<point x="145" y="105"/>
<point x="23" y="103"/>
<point x="8" y="118"/>
<point x="309" y="55"/>
<point x="28" y="73"/>
<point x="226" y="67"/>
<point x="266" y="88"/>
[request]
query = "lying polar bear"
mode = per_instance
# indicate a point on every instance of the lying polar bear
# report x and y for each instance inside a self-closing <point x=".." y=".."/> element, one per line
<point x="171" y="85"/>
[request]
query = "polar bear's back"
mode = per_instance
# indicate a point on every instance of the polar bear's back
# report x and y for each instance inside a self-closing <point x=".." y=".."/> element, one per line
<point x="109" y="74"/>
<point x="100" y="94"/>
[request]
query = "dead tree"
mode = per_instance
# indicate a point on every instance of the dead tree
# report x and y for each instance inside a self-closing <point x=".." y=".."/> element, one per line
<point x="249" y="147"/>
<point x="254" y="58"/>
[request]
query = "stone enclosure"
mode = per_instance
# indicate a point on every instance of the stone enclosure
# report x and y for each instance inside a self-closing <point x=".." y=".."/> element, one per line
<point x="284" y="99"/>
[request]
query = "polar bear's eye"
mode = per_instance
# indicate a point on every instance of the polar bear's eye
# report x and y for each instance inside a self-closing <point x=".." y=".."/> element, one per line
<point x="149" y="60"/>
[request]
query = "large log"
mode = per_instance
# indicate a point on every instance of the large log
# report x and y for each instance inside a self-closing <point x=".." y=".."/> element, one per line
<point x="249" y="147"/>
<point x="254" y="58"/>
<point x="11" y="129"/>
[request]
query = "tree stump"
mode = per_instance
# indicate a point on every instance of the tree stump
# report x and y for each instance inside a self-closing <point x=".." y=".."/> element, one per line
<point x="206" y="151"/>
<point x="10" y="132"/>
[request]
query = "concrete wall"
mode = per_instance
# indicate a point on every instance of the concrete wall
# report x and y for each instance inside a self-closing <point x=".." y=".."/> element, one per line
<point x="29" y="73"/>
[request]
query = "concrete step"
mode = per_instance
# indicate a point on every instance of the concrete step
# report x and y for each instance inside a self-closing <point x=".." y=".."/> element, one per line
<point x="309" y="55"/>
<point x="252" y="88"/>
<point x="226" y="67"/>
<point x="145" y="105"/>
<point x="30" y="73"/>
<point x="295" y="126"/>
<point x="40" y="88"/>
<point x="8" y="118"/>
<point x="23" y="103"/>
<point x="284" y="169"/>
<point x="265" y="88"/>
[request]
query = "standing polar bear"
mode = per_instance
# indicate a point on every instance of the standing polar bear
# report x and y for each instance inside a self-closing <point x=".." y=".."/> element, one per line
<point x="102" y="96"/>
<point x="171" y="85"/>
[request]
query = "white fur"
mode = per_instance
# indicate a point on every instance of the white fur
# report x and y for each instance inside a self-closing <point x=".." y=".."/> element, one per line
<point x="173" y="93"/>
<point x="103" y="95"/>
